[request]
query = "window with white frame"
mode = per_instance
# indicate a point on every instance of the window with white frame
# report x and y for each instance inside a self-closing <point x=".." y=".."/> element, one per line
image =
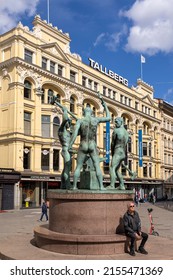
<point x="27" y="89"/>
<point x="26" y="157"/>
<point x="55" y="160"/>
<point x="56" y="124"/>
<point x="60" y="70"/>
<point x="44" y="63"/>
<point x="27" y="123"/>
<point x="72" y="76"/>
<point x="52" y="67"/>
<point x="45" y="159"/>
<point x="50" y="96"/>
<point x="28" y="56"/>
<point x="45" y="120"/>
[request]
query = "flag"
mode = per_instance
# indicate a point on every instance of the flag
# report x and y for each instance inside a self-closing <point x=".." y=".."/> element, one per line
<point x="142" y="59"/>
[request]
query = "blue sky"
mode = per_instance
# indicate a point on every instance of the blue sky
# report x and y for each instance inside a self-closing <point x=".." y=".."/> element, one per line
<point x="112" y="32"/>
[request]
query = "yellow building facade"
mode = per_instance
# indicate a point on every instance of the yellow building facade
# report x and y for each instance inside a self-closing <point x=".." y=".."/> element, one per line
<point x="36" y="65"/>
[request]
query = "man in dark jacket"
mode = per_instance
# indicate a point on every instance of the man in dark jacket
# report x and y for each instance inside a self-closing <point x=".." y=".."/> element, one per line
<point x="44" y="211"/>
<point x="132" y="226"/>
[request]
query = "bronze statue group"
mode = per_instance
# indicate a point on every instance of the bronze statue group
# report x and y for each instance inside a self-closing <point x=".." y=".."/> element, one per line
<point x="86" y="127"/>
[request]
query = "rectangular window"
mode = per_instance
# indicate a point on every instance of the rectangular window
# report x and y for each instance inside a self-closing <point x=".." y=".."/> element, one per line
<point x="121" y="98"/>
<point x="137" y="148"/>
<point x="55" y="160"/>
<point x="72" y="76"/>
<point x="130" y="164"/>
<point x="45" y="159"/>
<point x="136" y="105"/>
<point x="149" y="149"/>
<point x="114" y="95"/>
<point x="104" y="90"/>
<point x="150" y="170"/>
<point x="44" y="63"/>
<point x="52" y="67"/>
<point x="95" y="86"/>
<point x="28" y="56"/>
<point x="169" y="159"/>
<point x="145" y="174"/>
<point x="144" y="148"/>
<point x="26" y="158"/>
<point x="129" y="145"/>
<point x="109" y="92"/>
<point x="60" y="70"/>
<point x="165" y="158"/>
<point x="27" y="123"/>
<point x="45" y="120"/>
<point x="90" y="84"/>
<point x="84" y="79"/>
<point x="123" y="171"/>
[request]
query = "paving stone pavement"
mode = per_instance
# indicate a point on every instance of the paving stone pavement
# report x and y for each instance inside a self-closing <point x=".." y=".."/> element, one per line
<point x="16" y="236"/>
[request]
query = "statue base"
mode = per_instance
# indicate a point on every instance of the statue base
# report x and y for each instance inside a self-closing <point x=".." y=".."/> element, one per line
<point x="88" y="180"/>
<point x="84" y="222"/>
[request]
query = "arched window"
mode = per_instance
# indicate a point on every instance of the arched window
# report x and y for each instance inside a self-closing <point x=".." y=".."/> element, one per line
<point x="145" y="128"/>
<point x="56" y="123"/>
<point x="72" y="104"/>
<point x="129" y="145"/>
<point x="58" y="98"/>
<point x="27" y="89"/>
<point x="50" y="96"/>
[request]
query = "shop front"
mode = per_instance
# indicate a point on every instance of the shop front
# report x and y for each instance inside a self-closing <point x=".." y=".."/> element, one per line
<point x="34" y="188"/>
<point x="9" y="179"/>
<point x="146" y="189"/>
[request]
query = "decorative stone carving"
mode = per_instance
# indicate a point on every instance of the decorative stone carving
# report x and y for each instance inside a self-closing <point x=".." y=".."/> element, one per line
<point x="67" y="49"/>
<point x="20" y="25"/>
<point x="67" y="92"/>
<point x="23" y="73"/>
<point x="37" y="32"/>
<point x="54" y="51"/>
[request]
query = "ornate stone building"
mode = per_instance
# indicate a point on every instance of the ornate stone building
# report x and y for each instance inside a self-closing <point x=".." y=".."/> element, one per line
<point x="167" y="147"/>
<point x="38" y="64"/>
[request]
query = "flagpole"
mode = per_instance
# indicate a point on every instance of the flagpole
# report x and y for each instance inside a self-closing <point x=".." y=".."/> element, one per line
<point x="48" y="11"/>
<point x="142" y="61"/>
<point x="141" y="71"/>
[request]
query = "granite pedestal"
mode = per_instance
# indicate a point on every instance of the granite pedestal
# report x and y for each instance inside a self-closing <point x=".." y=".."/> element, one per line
<point x="84" y="222"/>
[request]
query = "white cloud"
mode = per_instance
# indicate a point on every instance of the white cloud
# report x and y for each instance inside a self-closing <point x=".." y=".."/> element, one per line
<point x="111" y="41"/>
<point x="99" y="39"/>
<point x="152" y="26"/>
<point x="115" y="39"/>
<point x="168" y="96"/>
<point x="11" y="12"/>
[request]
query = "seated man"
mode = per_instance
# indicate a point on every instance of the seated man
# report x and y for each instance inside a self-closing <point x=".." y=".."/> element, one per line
<point x="132" y="226"/>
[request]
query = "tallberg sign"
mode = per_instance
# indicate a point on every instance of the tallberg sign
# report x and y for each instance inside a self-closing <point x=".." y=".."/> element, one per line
<point x="109" y="73"/>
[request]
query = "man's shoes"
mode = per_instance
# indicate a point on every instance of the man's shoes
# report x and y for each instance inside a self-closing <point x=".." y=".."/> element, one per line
<point x="132" y="253"/>
<point x="142" y="251"/>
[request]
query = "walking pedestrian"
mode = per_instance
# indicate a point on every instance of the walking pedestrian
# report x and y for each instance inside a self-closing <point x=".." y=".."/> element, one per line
<point x="44" y="211"/>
